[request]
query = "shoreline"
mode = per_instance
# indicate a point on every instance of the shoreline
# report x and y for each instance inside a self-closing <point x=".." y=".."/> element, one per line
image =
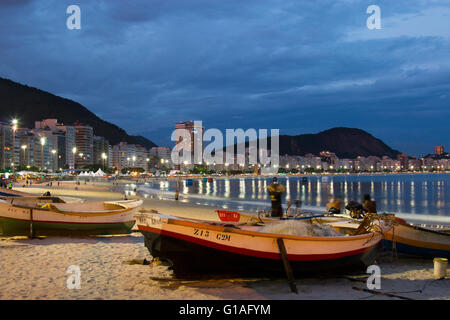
<point x="108" y="272"/>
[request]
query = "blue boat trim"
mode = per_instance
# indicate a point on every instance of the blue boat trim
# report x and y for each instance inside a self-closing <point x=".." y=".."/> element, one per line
<point x="415" y="251"/>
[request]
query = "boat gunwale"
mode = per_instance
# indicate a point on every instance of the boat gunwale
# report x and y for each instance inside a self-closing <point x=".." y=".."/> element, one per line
<point x="187" y="223"/>
<point x="55" y="210"/>
<point x="67" y="222"/>
<point x="425" y="229"/>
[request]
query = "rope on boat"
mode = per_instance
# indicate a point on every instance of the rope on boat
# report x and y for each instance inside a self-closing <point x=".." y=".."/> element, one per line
<point x="372" y="223"/>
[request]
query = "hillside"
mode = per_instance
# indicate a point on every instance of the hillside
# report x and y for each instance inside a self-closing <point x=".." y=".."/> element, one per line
<point x="29" y="104"/>
<point x="344" y="142"/>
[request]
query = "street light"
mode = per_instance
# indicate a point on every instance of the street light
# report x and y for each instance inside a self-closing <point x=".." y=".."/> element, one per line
<point x="104" y="156"/>
<point x="74" y="151"/>
<point x="42" y="150"/>
<point x="14" y="128"/>
<point x="24" y="148"/>
<point x="55" y="165"/>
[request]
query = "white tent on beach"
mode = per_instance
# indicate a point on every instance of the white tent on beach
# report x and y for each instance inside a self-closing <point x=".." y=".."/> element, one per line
<point x="86" y="174"/>
<point x="99" y="173"/>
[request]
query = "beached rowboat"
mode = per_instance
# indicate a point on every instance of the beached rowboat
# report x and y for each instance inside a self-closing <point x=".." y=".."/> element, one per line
<point x="416" y="241"/>
<point x="211" y="247"/>
<point x="54" y="216"/>
<point x="407" y="239"/>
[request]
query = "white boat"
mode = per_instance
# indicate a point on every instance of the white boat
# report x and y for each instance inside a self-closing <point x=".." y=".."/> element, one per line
<point x="54" y="216"/>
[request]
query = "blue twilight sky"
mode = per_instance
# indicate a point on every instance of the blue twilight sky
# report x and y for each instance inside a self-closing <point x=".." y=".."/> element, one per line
<point x="300" y="66"/>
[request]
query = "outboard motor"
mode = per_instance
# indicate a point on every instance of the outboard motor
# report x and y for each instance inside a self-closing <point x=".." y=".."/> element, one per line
<point x="355" y="209"/>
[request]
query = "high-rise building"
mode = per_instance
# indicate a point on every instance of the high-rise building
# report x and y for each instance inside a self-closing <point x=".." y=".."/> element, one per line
<point x="84" y="141"/>
<point x="129" y="156"/>
<point x="6" y="141"/>
<point x="194" y="130"/>
<point x="121" y="158"/>
<point x="69" y="144"/>
<point x="27" y="149"/>
<point x="439" y="150"/>
<point x="403" y="158"/>
<point x="160" y="152"/>
<point x="59" y="151"/>
<point x="43" y="144"/>
<point x="101" y="151"/>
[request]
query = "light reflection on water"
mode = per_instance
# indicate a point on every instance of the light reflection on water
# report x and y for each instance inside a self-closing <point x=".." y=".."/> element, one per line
<point x="400" y="193"/>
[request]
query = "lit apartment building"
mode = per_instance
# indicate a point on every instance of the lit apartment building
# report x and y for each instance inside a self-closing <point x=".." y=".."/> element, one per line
<point x="42" y="145"/>
<point x="59" y="151"/>
<point x="129" y="156"/>
<point x="414" y="164"/>
<point x="101" y="151"/>
<point x="10" y="144"/>
<point x="27" y="149"/>
<point x="195" y="133"/>
<point x="403" y="158"/>
<point x="439" y="150"/>
<point x="141" y="154"/>
<point x="65" y="154"/>
<point x="84" y="135"/>
<point x="160" y="152"/>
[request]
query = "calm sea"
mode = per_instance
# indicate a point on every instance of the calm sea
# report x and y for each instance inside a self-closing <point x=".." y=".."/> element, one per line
<point x="422" y="198"/>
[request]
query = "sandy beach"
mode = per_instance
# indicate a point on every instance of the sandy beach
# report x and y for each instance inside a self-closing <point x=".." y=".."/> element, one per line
<point x="111" y="267"/>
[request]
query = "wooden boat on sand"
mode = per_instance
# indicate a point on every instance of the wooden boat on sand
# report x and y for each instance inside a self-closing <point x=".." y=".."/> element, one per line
<point x="411" y="240"/>
<point x="403" y="238"/>
<point x="53" y="216"/>
<point x="216" y="247"/>
<point x="406" y="239"/>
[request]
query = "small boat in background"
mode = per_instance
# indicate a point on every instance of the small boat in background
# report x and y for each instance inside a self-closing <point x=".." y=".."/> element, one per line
<point x="411" y="240"/>
<point x="408" y="239"/>
<point x="39" y="216"/>
<point x="216" y="247"/>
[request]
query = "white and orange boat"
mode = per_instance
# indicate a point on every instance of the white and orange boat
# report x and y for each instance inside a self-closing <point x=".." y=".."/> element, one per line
<point x="412" y="240"/>
<point x="245" y="247"/>
<point x="38" y="216"/>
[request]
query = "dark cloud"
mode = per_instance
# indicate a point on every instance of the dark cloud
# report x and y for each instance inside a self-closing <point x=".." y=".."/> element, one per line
<point x="301" y="66"/>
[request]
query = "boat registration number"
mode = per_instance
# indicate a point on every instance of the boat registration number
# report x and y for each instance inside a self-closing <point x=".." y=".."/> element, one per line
<point x="207" y="234"/>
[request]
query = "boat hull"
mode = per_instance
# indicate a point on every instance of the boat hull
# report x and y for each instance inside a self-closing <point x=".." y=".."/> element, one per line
<point x="14" y="227"/>
<point x="203" y="250"/>
<point x="18" y="221"/>
<point x="188" y="257"/>
<point x="416" y="241"/>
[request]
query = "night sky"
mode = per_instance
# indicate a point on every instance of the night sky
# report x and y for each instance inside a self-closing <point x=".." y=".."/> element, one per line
<point x="300" y="66"/>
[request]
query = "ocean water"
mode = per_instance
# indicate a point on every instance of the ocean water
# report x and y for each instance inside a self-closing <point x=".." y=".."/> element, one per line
<point x="421" y="198"/>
